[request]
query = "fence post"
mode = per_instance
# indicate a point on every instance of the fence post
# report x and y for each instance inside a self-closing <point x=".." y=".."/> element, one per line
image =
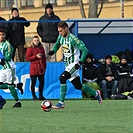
<point x="76" y="28"/>
<point x="122" y="8"/>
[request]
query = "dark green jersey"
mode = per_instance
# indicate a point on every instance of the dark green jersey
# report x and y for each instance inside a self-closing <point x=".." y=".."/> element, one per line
<point x="71" y="47"/>
<point x="7" y="50"/>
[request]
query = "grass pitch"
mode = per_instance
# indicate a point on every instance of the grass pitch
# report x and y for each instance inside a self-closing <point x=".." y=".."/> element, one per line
<point x="79" y="116"/>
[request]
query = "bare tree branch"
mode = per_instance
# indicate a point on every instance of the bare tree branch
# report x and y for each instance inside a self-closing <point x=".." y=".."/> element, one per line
<point x="101" y="7"/>
<point x="82" y="8"/>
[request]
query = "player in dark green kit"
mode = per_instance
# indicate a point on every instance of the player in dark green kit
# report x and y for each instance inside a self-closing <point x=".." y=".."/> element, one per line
<point x="71" y="47"/>
<point x="7" y="73"/>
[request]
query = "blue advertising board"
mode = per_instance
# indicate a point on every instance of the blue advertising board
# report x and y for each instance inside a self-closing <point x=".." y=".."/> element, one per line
<point x="52" y="84"/>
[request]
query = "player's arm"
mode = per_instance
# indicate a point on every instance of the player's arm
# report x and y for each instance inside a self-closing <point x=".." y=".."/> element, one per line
<point x="39" y="28"/>
<point x="55" y="47"/>
<point x="26" y="23"/>
<point x="81" y="46"/>
<point x="8" y="52"/>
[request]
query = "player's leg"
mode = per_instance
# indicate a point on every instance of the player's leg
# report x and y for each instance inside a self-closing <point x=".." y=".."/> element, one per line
<point x="85" y="88"/>
<point x="10" y="81"/>
<point x="33" y="83"/>
<point x="19" y="86"/>
<point x="2" y="102"/>
<point x="63" y="88"/>
<point x="3" y="85"/>
<point x="41" y="86"/>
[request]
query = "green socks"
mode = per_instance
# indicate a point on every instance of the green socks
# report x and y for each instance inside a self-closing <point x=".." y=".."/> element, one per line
<point x="85" y="88"/>
<point x="4" y="86"/>
<point x="63" y="90"/>
<point x="13" y="92"/>
<point x="88" y="90"/>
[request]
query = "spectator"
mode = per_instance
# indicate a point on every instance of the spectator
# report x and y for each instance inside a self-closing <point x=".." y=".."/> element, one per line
<point x="90" y="73"/>
<point x="108" y="77"/>
<point x="4" y="26"/>
<point x="125" y="83"/>
<point x="17" y="33"/>
<point x="48" y="30"/>
<point x="7" y="73"/>
<point x="36" y="55"/>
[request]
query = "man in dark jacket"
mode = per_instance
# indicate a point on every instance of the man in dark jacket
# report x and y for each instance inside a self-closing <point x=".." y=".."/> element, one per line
<point x="17" y="33"/>
<point x="4" y="26"/>
<point x="125" y="82"/>
<point x="48" y="30"/>
<point x="108" y="77"/>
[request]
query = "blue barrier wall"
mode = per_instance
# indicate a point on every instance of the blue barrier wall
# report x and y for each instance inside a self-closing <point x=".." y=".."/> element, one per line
<point x="103" y="36"/>
<point x="52" y="84"/>
<point x="103" y="44"/>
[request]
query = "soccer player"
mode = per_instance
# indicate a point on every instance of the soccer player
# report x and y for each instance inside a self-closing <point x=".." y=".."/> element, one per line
<point x="71" y="47"/>
<point x="7" y="73"/>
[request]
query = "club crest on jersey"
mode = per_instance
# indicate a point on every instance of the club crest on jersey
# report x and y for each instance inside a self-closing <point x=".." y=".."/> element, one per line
<point x="65" y="48"/>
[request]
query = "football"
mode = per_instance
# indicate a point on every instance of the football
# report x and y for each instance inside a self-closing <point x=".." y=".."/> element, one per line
<point x="46" y="105"/>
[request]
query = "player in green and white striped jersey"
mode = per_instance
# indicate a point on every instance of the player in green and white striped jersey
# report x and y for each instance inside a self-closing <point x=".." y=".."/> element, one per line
<point x="7" y="73"/>
<point x="71" y="47"/>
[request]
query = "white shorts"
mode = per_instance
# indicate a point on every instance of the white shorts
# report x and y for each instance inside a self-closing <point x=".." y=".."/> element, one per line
<point x="71" y="69"/>
<point x="7" y="76"/>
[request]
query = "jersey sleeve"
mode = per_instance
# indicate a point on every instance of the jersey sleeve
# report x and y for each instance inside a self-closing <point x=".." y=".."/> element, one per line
<point x="57" y="44"/>
<point x="81" y="46"/>
<point x="8" y="51"/>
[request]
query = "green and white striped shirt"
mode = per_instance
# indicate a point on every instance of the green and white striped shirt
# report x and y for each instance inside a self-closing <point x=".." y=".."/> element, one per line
<point x="71" y="47"/>
<point x="7" y="50"/>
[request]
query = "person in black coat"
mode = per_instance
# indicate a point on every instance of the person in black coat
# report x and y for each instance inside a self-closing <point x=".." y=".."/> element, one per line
<point x="17" y="33"/>
<point x="125" y="83"/>
<point x="48" y="31"/>
<point x="108" y="77"/>
<point x="4" y="26"/>
<point x="90" y="73"/>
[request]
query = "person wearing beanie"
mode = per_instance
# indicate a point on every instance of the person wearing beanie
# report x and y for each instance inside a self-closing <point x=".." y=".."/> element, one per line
<point x="108" y="57"/>
<point x="125" y="83"/>
<point x="17" y="33"/>
<point x="108" y="78"/>
<point x="14" y="9"/>
<point x="90" y="73"/>
<point x="48" y="6"/>
<point x="48" y="31"/>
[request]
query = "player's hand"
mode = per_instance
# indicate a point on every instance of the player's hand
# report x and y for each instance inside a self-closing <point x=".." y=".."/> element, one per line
<point x="51" y="52"/>
<point x="2" y="62"/>
<point x="77" y="66"/>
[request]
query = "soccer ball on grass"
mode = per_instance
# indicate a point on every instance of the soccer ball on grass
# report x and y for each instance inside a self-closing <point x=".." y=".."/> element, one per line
<point x="46" y="105"/>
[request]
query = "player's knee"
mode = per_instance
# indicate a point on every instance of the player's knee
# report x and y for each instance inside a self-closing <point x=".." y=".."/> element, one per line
<point x="64" y="77"/>
<point x="78" y="86"/>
